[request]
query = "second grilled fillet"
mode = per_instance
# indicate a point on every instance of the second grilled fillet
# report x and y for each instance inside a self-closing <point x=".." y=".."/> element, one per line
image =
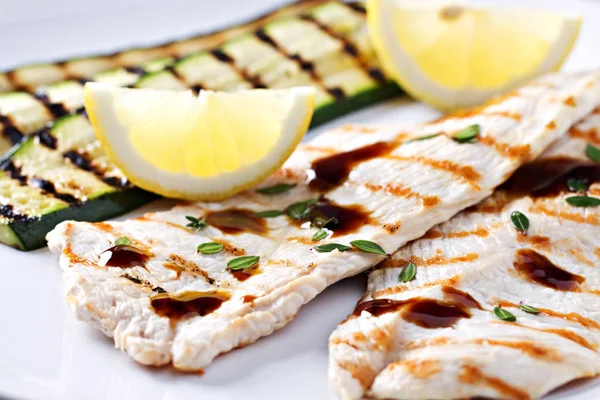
<point x="437" y="336"/>
<point x="164" y="302"/>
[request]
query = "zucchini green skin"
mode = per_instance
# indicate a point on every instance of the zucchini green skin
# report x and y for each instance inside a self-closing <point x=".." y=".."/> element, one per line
<point x="363" y="99"/>
<point x="59" y="148"/>
<point x="31" y="234"/>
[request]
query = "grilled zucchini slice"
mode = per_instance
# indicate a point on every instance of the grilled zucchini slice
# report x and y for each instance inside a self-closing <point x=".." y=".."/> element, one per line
<point x="59" y="170"/>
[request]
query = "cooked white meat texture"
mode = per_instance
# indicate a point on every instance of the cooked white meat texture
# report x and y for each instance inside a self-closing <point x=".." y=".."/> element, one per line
<point x="437" y="336"/>
<point x="163" y="301"/>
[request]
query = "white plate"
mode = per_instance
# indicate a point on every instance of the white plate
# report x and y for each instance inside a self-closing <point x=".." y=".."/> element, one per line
<point x="46" y="354"/>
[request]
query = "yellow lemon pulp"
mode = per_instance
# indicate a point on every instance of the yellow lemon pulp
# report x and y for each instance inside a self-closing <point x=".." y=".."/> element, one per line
<point x="198" y="147"/>
<point x="456" y="55"/>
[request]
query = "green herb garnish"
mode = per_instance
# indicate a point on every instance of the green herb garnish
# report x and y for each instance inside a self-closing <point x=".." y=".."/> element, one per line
<point x="195" y="223"/>
<point x="301" y="209"/>
<point x="122" y="241"/>
<point x="520" y="221"/>
<point x="244" y="262"/>
<point x="593" y="153"/>
<point x="423" y="138"/>
<point x="210" y="248"/>
<point x="368" y="247"/>
<point x="320" y="235"/>
<point x="468" y="134"/>
<point x="326" y="248"/>
<point x="583" y="201"/>
<point x="529" y="309"/>
<point x="408" y="273"/>
<point x="269" y="214"/>
<point x="504" y="315"/>
<point x="276" y="189"/>
<point x="577" y="184"/>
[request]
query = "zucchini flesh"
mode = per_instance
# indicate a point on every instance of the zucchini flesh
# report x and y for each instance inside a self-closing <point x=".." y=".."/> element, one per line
<point x="29" y="78"/>
<point x="58" y="171"/>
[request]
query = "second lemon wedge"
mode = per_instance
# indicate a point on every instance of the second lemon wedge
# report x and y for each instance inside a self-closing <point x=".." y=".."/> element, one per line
<point x="455" y="54"/>
<point x="204" y="147"/>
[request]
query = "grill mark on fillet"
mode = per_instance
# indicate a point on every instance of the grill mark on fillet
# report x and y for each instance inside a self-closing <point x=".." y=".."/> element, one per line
<point x="420" y="369"/>
<point x="519" y="152"/>
<point x="362" y="373"/>
<point x="403" y="191"/>
<point x="580" y="218"/>
<point x="190" y="268"/>
<point x="474" y="376"/>
<point x="589" y="135"/>
<point x="463" y="172"/>
<point x="400" y="288"/>
<point x="481" y="232"/>
<point x="572" y="316"/>
<point x="526" y="346"/>
<point x="424" y="262"/>
<point x="563" y="332"/>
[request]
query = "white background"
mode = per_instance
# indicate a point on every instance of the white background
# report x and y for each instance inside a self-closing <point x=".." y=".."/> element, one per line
<point x="46" y="354"/>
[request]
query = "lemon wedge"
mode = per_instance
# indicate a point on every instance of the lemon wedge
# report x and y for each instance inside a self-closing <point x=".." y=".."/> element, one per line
<point x="204" y="147"/>
<point x="454" y="54"/>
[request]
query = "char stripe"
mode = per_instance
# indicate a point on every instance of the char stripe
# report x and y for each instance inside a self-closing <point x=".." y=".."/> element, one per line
<point x="49" y="187"/>
<point x="82" y="162"/>
<point x="197" y="88"/>
<point x="356" y="6"/>
<point x="349" y="48"/>
<point x="254" y="80"/>
<point x="56" y="109"/>
<point x="9" y="130"/>
<point x="46" y="138"/>
<point x="305" y="65"/>
<point x="173" y="71"/>
<point x="135" y="70"/>
<point x="7" y="211"/>
<point x="14" y="172"/>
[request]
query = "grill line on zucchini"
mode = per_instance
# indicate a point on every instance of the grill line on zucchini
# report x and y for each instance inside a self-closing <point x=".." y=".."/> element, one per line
<point x="59" y="171"/>
<point x="30" y="77"/>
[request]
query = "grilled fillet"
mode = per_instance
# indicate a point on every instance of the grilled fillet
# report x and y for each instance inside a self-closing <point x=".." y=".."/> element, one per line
<point x="162" y="301"/>
<point x="437" y="337"/>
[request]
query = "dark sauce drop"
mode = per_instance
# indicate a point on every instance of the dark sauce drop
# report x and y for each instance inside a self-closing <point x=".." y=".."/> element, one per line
<point x="177" y="306"/>
<point x="126" y="257"/>
<point x="429" y="313"/>
<point x="243" y="274"/>
<point x="459" y="297"/>
<point x="332" y="171"/>
<point x="348" y="218"/>
<point x="549" y="178"/>
<point x="540" y="269"/>
<point x="379" y="307"/>
<point x="236" y="220"/>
